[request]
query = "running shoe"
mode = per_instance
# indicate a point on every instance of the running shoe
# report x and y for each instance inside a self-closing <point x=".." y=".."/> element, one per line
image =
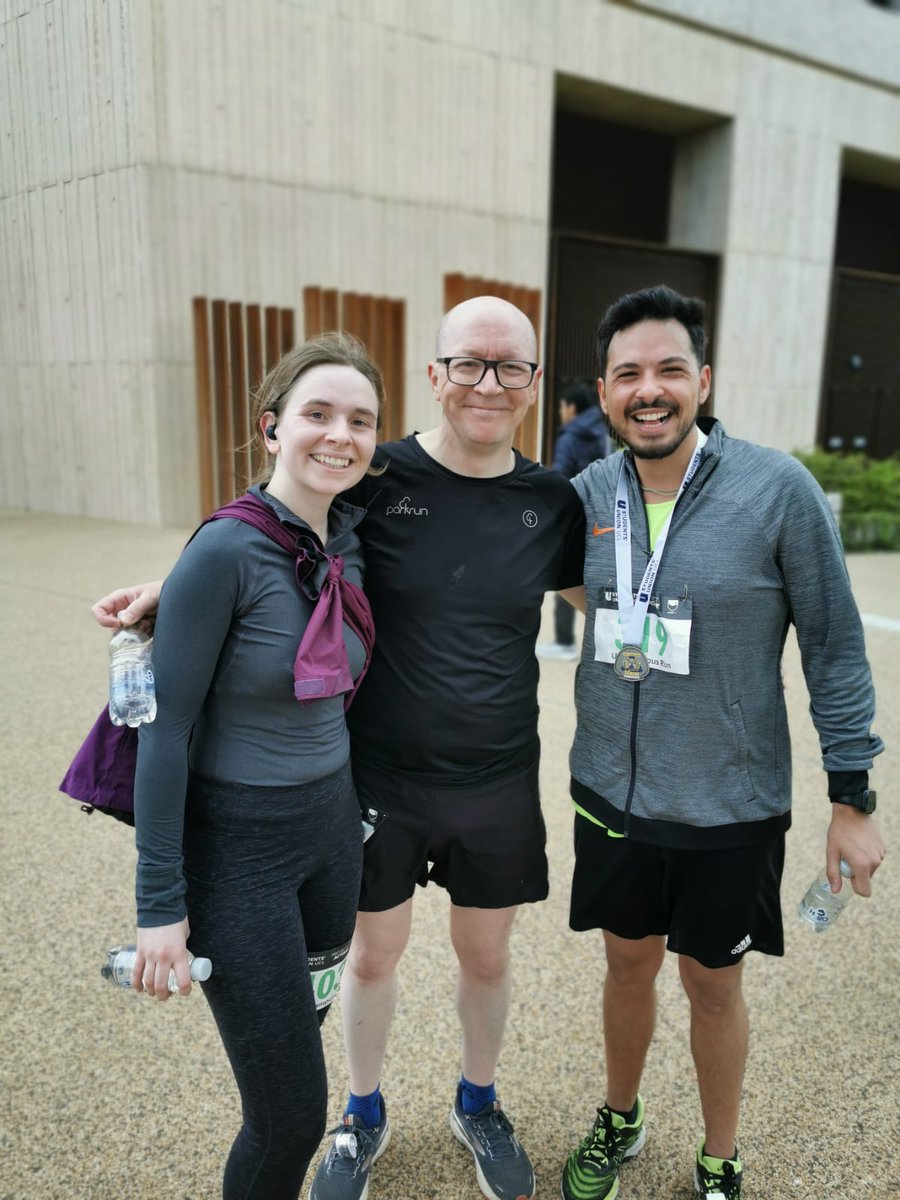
<point x="343" y="1173"/>
<point x="503" y="1168"/>
<point x="592" y="1169"/>
<point x="717" y="1178"/>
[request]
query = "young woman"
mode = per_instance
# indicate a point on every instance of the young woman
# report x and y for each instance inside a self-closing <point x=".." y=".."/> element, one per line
<point x="247" y="825"/>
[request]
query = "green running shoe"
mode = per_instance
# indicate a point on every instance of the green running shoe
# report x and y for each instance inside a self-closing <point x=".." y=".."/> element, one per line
<point x="592" y="1169"/>
<point x="717" y="1178"/>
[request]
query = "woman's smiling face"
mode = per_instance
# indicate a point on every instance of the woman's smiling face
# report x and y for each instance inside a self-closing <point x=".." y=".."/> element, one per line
<point x="325" y="435"/>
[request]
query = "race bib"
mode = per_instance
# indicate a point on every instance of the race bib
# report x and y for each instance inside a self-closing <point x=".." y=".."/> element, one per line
<point x="666" y="640"/>
<point x="325" y="970"/>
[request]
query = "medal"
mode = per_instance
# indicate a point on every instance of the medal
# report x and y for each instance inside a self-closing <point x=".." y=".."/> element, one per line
<point x="631" y="664"/>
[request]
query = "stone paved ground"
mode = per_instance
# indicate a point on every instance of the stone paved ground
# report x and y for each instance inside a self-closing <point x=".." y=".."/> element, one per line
<point x="107" y="1095"/>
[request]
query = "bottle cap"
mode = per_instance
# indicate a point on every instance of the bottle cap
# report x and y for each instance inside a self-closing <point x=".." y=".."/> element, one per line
<point x="126" y="636"/>
<point x="201" y="969"/>
<point x="846" y="869"/>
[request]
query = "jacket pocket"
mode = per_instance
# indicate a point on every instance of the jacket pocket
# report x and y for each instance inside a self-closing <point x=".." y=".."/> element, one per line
<point x="741" y="749"/>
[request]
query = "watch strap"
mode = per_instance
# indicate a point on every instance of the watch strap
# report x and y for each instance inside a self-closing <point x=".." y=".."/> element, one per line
<point x="864" y="800"/>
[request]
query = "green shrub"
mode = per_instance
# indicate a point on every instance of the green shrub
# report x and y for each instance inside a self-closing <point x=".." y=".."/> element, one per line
<point x="870" y="531"/>
<point x="870" y="490"/>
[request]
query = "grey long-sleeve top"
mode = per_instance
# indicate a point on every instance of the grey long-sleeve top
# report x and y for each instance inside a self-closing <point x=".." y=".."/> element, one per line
<point x="230" y="620"/>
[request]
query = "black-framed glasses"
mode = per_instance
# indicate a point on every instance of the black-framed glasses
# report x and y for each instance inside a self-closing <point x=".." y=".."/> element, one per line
<point x="467" y="372"/>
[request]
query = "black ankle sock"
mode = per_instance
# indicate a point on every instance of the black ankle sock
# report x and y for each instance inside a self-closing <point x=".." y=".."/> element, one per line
<point x="630" y="1117"/>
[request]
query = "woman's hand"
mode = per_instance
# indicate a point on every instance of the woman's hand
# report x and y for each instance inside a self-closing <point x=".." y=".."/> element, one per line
<point x="128" y="606"/>
<point x="161" y="949"/>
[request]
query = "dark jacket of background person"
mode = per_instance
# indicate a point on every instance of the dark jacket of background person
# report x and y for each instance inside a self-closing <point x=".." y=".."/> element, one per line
<point x="583" y="439"/>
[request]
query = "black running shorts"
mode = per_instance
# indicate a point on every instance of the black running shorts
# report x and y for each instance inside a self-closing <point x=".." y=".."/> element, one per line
<point x="486" y="845"/>
<point x="712" y="905"/>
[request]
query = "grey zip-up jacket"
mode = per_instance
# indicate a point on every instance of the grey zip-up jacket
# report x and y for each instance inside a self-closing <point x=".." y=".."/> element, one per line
<point x="704" y="759"/>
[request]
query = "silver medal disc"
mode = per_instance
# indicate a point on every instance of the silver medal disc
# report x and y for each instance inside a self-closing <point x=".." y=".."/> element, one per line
<point x="631" y="664"/>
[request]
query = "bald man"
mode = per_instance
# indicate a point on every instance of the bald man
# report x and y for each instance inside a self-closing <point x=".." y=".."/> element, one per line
<point x="462" y="538"/>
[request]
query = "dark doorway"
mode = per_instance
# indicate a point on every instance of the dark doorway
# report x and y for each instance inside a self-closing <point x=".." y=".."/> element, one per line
<point x="610" y="216"/>
<point x="868" y="228"/>
<point x="587" y="275"/>
<point x="861" y="407"/>
<point x="591" y="161"/>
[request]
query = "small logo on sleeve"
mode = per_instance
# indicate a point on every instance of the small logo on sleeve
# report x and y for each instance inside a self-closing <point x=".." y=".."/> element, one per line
<point x="598" y="532"/>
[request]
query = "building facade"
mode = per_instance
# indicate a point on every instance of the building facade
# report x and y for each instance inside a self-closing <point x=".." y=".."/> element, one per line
<point x="185" y="187"/>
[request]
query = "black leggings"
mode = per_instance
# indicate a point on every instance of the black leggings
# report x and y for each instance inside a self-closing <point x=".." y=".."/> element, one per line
<point x="271" y="873"/>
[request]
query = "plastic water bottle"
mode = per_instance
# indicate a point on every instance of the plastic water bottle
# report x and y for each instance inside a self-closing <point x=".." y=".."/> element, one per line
<point x="821" y="907"/>
<point x="132" y="694"/>
<point x="119" y="968"/>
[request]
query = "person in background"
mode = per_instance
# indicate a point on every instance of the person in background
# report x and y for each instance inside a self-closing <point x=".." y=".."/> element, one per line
<point x="582" y="438"/>
<point x="246" y="819"/>
<point x="462" y="537"/>
<point x="703" y="550"/>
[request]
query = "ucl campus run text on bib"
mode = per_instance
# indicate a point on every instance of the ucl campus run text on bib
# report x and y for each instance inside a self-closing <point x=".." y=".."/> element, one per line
<point x="666" y="638"/>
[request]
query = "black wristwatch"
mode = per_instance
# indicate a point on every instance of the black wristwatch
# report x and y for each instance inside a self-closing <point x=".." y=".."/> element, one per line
<point x="864" y="800"/>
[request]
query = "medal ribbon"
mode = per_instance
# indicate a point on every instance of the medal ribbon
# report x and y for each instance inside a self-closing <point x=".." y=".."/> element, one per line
<point x="632" y="612"/>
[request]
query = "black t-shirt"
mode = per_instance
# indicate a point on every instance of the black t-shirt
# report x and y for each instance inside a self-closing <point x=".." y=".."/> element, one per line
<point x="456" y="571"/>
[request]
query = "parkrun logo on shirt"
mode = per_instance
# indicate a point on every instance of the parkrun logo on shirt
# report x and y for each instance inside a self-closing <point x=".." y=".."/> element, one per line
<point x="405" y="509"/>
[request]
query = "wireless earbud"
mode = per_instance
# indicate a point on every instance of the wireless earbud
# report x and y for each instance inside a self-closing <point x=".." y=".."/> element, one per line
<point x="270" y="433"/>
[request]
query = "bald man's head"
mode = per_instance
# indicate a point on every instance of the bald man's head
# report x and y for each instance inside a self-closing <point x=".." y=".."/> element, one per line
<point x="486" y="316"/>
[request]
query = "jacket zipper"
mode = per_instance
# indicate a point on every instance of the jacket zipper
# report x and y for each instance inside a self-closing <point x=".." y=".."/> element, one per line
<point x="632" y="745"/>
<point x="635" y="708"/>
<point x="636" y="702"/>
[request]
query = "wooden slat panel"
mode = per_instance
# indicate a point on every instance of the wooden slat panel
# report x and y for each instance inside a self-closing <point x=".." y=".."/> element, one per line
<point x="255" y="372"/>
<point x="205" y="430"/>
<point x="221" y="403"/>
<point x="395" y="340"/>
<point x="287" y="330"/>
<point x="312" y="312"/>
<point x="255" y="364"/>
<point x="382" y="352"/>
<point x="273" y="337"/>
<point x="367" y="321"/>
<point x="526" y="435"/>
<point x="378" y="310"/>
<point x="351" y="316"/>
<point x="454" y="290"/>
<point x="240" y="422"/>
<point x="330" y="315"/>
<point x="231" y="362"/>
<point x="529" y="301"/>
<point x="519" y="296"/>
<point x="378" y="346"/>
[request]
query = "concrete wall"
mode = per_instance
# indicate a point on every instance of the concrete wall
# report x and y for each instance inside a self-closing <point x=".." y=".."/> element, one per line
<point x="761" y="188"/>
<point x="849" y="37"/>
<point x="77" y="419"/>
<point x="154" y="150"/>
<point x="349" y="153"/>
